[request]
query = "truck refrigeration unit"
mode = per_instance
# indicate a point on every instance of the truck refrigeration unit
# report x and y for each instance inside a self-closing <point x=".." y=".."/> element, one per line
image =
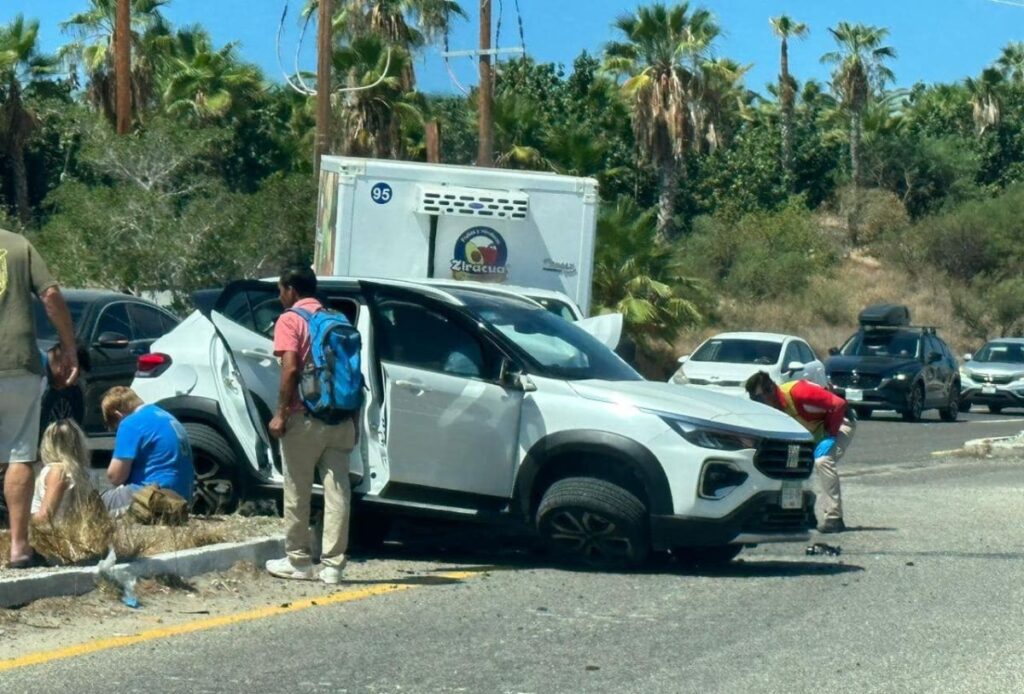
<point x="408" y="220"/>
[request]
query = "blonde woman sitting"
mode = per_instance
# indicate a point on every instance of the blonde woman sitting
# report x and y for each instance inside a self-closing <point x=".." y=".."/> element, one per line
<point x="64" y="481"/>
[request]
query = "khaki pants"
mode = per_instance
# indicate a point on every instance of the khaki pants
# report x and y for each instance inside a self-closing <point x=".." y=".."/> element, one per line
<point x="829" y="505"/>
<point x="309" y="445"/>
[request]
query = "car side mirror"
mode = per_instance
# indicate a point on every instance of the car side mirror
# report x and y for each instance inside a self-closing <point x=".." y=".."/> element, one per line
<point x="968" y="356"/>
<point x="514" y="379"/>
<point x="833" y="351"/>
<point x="934" y="357"/>
<point x="795" y="366"/>
<point x="684" y="359"/>
<point x="111" y="340"/>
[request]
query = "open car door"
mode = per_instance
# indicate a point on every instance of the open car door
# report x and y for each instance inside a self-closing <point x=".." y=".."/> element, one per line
<point x="607" y="328"/>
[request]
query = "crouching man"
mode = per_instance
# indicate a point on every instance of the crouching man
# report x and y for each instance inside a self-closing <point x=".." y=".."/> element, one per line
<point x="151" y="447"/>
<point x="824" y="414"/>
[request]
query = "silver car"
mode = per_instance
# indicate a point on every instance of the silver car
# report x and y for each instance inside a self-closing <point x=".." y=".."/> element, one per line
<point x="994" y="376"/>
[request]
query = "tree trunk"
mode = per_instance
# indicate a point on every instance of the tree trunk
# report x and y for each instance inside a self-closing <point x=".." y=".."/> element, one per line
<point x="855" y="137"/>
<point x="668" y="177"/>
<point x="786" y="96"/>
<point x="20" y="174"/>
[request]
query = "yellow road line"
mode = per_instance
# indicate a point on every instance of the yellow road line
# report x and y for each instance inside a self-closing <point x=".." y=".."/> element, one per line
<point x="215" y="622"/>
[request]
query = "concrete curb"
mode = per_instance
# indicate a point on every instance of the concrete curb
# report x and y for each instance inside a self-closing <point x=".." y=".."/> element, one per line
<point x="186" y="563"/>
<point x="992" y="447"/>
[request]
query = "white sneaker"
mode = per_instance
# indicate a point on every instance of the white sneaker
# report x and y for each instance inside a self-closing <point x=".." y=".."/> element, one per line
<point x="283" y="568"/>
<point x="331" y="575"/>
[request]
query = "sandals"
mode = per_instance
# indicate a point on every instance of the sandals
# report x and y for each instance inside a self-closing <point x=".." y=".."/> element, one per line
<point x="33" y="561"/>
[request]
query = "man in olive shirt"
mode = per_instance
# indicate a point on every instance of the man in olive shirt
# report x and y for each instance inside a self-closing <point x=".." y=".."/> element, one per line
<point x="22" y="274"/>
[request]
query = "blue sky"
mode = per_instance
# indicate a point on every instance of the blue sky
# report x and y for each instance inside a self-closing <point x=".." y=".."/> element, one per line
<point x="937" y="40"/>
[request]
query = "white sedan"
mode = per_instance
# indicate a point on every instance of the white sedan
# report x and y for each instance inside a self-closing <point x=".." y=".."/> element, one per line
<point x="727" y="360"/>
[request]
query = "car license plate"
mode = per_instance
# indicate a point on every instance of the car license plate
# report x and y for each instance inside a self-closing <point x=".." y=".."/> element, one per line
<point x="792" y="495"/>
<point x="988" y="390"/>
<point x="854" y="394"/>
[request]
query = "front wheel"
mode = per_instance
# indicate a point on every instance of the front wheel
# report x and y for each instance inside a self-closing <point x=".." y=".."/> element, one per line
<point x="995" y="409"/>
<point x="915" y="405"/>
<point x="951" y="411"/>
<point x="66" y="403"/>
<point x="595" y="522"/>
<point x="216" y="489"/>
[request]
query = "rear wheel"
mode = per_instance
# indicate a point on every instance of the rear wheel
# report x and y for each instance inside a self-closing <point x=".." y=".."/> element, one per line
<point x="915" y="404"/>
<point x="216" y="489"/>
<point x="66" y="403"/>
<point x="995" y="409"/>
<point x="595" y="522"/>
<point x="863" y="412"/>
<point x="707" y="556"/>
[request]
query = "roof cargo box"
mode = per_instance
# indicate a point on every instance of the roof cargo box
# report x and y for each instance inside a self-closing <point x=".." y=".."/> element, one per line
<point x="885" y="315"/>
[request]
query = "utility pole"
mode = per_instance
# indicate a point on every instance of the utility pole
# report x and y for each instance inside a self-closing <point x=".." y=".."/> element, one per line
<point x="123" y="65"/>
<point x="324" y="52"/>
<point x="485" y="157"/>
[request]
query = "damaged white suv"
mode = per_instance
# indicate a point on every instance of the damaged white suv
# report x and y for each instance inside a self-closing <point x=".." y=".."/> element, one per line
<point x="486" y="407"/>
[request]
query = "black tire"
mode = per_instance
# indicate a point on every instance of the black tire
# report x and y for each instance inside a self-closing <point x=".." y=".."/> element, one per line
<point x="915" y="404"/>
<point x="596" y="522"/>
<point x="66" y="403"/>
<point x="863" y="412"/>
<point x="707" y="556"/>
<point x="369" y="529"/>
<point x="951" y="411"/>
<point x="217" y="489"/>
<point x="965" y="405"/>
<point x="995" y="409"/>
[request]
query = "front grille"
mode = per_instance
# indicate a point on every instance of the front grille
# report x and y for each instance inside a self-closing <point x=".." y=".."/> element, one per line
<point x="850" y="380"/>
<point x="996" y="379"/>
<point x="774" y="459"/>
<point x="773" y="518"/>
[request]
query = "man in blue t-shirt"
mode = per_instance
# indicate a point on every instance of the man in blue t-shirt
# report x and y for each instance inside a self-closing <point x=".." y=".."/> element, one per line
<point x="151" y="448"/>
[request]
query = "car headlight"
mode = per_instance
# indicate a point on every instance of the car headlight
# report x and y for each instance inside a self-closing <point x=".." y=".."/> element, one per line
<point x="706" y="436"/>
<point x="965" y="374"/>
<point x="900" y="377"/>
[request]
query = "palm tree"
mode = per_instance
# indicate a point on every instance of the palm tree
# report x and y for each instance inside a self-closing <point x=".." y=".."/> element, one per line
<point x="638" y="273"/>
<point x="1011" y="62"/>
<point x="374" y="121"/>
<point x="723" y="99"/>
<point x="860" y="73"/>
<point x="407" y="24"/>
<point x="22" y="66"/>
<point x="92" y="50"/>
<point x="785" y="27"/>
<point x="986" y="103"/>
<point x="206" y="83"/>
<point x="661" y="60"/>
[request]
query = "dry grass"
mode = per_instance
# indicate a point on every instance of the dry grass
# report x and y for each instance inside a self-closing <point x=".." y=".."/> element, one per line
<point x="826" y="313"/>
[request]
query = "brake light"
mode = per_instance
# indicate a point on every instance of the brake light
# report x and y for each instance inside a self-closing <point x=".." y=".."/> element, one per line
<point x="152" y="365"/>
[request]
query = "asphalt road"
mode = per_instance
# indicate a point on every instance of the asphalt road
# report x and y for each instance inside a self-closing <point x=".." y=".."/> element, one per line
<point x="925" y="597"/>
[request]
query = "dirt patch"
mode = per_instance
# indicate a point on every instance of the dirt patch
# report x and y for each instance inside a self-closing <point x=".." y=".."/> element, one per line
<point x="133" y="540"/>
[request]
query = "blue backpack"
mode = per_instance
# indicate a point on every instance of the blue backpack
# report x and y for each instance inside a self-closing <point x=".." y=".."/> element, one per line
<point x="331" y="386"/>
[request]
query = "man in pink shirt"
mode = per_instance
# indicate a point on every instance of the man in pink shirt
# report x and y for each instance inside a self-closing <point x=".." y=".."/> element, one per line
<point x="307" y="444"/>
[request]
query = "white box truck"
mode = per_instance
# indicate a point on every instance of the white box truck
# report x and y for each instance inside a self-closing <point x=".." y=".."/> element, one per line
<point x="408" y="220"/>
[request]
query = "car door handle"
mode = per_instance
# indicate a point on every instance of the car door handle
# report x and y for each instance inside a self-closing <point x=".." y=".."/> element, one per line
<point x="417" y="388"/>
<point x="256" y="354"/>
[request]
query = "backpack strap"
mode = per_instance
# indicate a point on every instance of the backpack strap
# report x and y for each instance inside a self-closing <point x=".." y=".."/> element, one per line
<point x="303" y="313"/>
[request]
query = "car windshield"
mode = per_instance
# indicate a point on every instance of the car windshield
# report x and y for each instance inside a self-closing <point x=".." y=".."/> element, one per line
<point x="738" y="351"/>
<point x="1002" y="352"/>
<point x="883" y="343"/>
<point x="556" y="347"/>
<point x="45" y="329"/>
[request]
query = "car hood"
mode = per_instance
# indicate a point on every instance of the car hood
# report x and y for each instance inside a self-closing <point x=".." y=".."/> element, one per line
<point x="996" y="368"/>
<point x="695" y="403"/>
<point x="870" y="365"/>
<point x="717" y="372"/>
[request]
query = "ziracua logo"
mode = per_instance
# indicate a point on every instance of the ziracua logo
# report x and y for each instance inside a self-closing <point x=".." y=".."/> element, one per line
<point x="480" y="254"/>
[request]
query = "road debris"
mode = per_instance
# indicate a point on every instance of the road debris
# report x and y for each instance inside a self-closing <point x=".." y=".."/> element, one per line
<point x="820" y="548"/>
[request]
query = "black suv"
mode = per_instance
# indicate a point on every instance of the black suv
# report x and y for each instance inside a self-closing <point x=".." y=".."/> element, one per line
<point x="890" y="365"/>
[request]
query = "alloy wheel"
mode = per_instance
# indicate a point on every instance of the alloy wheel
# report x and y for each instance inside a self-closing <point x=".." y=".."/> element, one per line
<point x="589" y="535"/>
<point x="214" y="491"/>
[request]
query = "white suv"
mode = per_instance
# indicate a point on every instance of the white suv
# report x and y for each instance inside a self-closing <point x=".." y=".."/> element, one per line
<point x="484" y="406"/>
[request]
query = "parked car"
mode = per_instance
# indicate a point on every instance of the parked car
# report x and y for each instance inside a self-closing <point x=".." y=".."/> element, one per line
<point x="112" y="331"/>
<point x="725" y="361"/>
<point x="547" y="427"/>
<point x="994" y="376"/>
<point x="890" y="365"/>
